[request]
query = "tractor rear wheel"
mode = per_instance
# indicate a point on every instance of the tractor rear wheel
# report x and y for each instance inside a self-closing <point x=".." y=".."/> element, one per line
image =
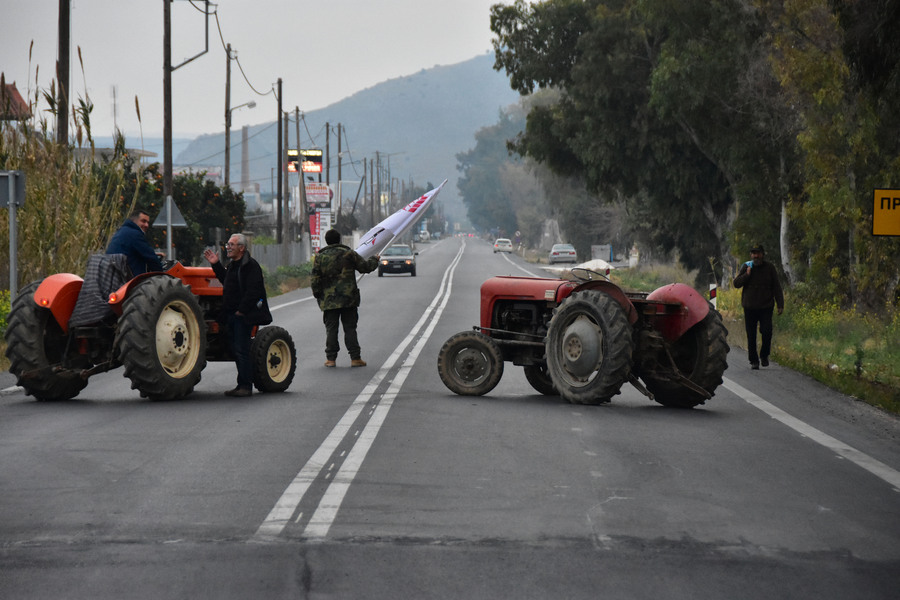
<point x="470" y="363"/>
<point x="589" y="347"/>
<point x="35" y="343"/>
<point x="161" y="338"/>
<point x="701" y="355"/>
<point x="539" y="378"/>
<point x="274" y="359"/>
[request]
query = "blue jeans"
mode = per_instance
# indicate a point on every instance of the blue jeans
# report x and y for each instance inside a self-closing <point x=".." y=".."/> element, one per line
<point x="239" y="338"/>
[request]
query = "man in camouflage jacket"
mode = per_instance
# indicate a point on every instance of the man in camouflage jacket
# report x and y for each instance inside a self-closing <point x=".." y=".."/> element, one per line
<point x="333" y="284"/>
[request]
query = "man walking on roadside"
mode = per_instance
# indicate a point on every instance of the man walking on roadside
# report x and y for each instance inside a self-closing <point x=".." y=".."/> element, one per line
<point x="333" y="283"/>
<point x="760" y="293"/>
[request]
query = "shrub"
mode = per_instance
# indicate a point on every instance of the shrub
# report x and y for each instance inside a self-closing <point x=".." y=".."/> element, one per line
<point x="287" y="278"/>
<point x="4" y="310"/>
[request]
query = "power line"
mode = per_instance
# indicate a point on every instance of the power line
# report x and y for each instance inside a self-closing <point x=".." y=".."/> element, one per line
<point x="236" y="60"/>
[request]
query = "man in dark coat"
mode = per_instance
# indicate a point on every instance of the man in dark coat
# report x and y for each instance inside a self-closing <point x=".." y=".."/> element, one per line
<point x="244" y="305"/>
<point x="333" y="283"/>
<point x="760" y="293"/>
<point x="131" y="240"/>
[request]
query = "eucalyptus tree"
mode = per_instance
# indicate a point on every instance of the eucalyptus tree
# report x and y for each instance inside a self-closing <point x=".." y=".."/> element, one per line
<point x="660" y="105"/>
<point x="837" y="63"/>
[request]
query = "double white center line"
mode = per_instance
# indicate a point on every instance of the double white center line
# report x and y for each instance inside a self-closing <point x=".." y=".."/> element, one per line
<point x="318" y="525"/>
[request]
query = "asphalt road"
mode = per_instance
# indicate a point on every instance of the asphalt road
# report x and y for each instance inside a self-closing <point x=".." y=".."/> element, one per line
<point x="380" y="483"/>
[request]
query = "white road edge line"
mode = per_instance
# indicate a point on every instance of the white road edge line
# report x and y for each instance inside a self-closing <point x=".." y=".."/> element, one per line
<point x="524" y="270"/>
<point x="287" y="504"/>
<point x="874" y="466"/>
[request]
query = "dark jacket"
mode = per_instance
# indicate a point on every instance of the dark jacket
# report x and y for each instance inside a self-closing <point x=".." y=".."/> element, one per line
<point x="244" y="288"/>
<point x="131" y="241"/>
<point x="333" y="279"/>
<point x="761" y="287"/>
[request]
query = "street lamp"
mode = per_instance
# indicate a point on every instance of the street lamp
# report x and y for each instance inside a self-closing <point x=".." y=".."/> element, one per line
<point x="228" y="111"/>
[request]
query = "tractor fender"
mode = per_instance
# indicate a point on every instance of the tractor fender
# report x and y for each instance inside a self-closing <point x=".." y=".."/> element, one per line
<point x="694" y="308"/>
<point x="117" y="298"/>
<point x="201" y="280"/>
<point x="59" y="293"/>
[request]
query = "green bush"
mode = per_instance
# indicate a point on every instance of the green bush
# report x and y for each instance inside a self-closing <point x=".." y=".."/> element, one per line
<point x="287" y="278"/>
<point x="4" y="310"/>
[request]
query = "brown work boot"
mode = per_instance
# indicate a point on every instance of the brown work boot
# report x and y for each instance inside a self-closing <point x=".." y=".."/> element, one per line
<point x="239" y="392"/>
<point x="357" y="362"/>
<point x="330" y="363"/>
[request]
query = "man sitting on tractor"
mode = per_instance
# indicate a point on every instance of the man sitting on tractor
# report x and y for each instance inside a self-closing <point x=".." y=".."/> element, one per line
<point x="131" y="240"/>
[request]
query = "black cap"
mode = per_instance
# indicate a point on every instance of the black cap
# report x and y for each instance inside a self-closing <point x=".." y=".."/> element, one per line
<point x="332" y="236"/>
<point x="758" y="248"/>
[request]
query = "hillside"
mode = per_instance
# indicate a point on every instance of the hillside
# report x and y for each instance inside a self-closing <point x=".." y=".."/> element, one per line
<point x="422" y="121"/>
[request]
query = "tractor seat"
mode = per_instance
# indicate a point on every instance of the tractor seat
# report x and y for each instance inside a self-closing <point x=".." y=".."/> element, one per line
<point x="105" y="274"/>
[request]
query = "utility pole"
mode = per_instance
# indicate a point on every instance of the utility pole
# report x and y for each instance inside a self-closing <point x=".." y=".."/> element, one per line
<point x="62" y="73"/>
<point x="286" y="225"/>
<point x="227" y="113"/>
<point x="372" y="207"/>
<point x="378" y="173"/>
<point x="167" y="119"/>
<point x="340" y="201"/>
<point x="167" y="111"/>
<point x="327" y="153"/>
<point x="366" y="187"/>
<point x="303" y="209"/>
<point x="245" y="157"/>
<point x="280" y="159"/>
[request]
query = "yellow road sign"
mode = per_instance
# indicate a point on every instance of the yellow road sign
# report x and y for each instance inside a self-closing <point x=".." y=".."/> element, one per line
<point x="886" y="214"/>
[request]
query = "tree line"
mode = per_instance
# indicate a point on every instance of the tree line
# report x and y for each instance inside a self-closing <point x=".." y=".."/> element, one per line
<point x="700" y="128"/>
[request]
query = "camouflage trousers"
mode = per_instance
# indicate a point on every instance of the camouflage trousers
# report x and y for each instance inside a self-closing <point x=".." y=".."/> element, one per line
<point x="348" y="318"/>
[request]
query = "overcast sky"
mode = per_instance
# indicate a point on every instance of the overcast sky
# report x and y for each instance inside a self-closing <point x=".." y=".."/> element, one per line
<point x="323" y="51"/>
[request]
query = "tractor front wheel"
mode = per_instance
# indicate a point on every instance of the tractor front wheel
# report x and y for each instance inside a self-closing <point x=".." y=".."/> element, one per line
<point x="274" y="358"/>
<point x="161" y="338"/>
<point x="470" y="363"/>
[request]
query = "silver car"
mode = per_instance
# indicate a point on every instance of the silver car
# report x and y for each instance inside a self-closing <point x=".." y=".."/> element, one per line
<point x="562" y="253"/>
<point x="502" y="245"/>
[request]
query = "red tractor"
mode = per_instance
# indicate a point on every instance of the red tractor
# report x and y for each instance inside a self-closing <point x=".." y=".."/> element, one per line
<point x="160" y="326"/>
<point x="582" y="338"/>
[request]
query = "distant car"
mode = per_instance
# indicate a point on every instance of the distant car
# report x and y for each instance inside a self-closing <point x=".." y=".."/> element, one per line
<point x="398" y="258"/>
<point x="562" y="253"/>
<point x="502" y="245"/>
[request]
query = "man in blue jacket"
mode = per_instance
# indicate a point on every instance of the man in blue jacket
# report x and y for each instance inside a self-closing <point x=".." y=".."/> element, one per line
<point x="131" y="240"/>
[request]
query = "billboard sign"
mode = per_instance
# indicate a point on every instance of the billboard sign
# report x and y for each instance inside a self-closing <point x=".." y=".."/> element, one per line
<point x="311" y="161"/>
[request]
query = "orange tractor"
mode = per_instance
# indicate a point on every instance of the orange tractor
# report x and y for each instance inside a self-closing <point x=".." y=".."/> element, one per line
<point x="160" y="326"/>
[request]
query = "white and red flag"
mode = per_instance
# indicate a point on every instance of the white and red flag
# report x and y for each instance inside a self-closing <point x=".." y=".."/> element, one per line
<point x="380" y="237"/>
